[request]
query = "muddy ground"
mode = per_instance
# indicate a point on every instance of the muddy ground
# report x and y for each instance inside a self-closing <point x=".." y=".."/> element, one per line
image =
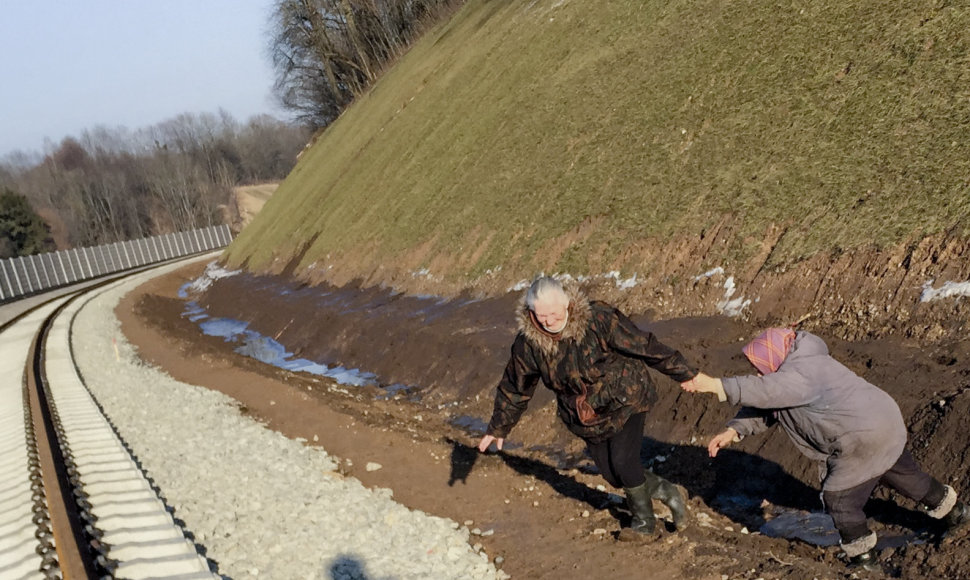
<point x="540" y="496"/>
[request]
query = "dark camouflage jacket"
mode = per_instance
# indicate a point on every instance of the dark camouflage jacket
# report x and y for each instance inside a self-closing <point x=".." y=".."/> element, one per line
<point x="597" y="366"/>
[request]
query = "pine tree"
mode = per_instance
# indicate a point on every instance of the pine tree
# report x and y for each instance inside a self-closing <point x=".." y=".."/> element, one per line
<point x="22" y="231"/>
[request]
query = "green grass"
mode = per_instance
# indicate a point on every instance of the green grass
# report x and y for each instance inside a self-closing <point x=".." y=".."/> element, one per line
<point x="846" y="122"/>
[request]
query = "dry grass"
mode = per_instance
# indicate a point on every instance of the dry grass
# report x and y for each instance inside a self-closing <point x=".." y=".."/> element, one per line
<point x="844" y="122"/>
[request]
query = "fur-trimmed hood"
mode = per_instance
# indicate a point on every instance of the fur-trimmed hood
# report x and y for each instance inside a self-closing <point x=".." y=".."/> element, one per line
<point x="576" y="325"/>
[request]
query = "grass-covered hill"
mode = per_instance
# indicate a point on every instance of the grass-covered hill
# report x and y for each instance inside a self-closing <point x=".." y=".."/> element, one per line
<point x="591" y="135"/>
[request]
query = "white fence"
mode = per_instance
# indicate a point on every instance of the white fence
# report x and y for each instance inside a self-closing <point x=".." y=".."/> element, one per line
<point x="31" y="274"/>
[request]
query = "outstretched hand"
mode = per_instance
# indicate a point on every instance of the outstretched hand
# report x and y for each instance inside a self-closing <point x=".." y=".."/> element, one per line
<point x="702" y="383"/>
<point x="705" y="384"/>
<point x="487" y="441"/>
<point x="721" y="440"/>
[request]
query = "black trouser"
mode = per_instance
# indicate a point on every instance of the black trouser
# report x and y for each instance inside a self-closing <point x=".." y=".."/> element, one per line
<point x="618" y="458"/>
<point x="906" y="477"/>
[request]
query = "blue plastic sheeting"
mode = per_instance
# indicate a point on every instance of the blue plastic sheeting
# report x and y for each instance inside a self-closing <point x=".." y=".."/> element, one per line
<point x="473" y="425"/>
<point x="391" y="391"/>
<point x="818" y="529"/>
<point x="812" y="527"/>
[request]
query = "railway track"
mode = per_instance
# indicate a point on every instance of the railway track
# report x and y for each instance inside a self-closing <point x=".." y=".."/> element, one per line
<point x="74" y="502"/>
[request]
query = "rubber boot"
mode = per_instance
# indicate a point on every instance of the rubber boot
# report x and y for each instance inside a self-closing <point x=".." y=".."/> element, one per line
<point x="958" y="517"/>
<point x="644" y="524"/>
<point x="670" y="496"/>
<point x="861" y="552"/>
<point x="952" y="512"/>
<point x="866" y="561"/>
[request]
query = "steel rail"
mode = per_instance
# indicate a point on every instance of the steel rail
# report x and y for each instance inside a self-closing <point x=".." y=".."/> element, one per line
<point x="74" y="501"/>
<point x="78" y="550"/>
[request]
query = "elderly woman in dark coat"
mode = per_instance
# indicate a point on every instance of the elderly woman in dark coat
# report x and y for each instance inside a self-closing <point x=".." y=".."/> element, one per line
<point x="853" y="428"/>
<point x="595" y="359"/>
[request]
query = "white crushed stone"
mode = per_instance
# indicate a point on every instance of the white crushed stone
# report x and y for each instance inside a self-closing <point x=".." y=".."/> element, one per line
<point x="260" y="504"/>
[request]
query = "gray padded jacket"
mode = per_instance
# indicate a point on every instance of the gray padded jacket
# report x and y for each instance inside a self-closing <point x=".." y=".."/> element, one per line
<point x="831" y="414"/>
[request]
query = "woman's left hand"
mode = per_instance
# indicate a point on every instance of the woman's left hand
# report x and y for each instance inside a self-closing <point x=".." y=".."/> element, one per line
<point x="703" y="383"/>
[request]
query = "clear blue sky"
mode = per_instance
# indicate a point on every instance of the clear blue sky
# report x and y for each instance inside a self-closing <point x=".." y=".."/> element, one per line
<point x="66" y="65"/>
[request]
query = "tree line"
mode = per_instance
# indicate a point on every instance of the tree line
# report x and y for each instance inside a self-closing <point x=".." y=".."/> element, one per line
<point x="110" y="185"/>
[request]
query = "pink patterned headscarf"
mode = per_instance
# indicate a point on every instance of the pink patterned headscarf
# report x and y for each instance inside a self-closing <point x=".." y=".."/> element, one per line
<point x="769" y="349"/>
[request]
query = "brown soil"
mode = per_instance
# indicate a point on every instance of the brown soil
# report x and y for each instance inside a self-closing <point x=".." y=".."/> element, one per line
<point x="245" y="202"/>
<point x="537" y="494"/>
<point x="860" y="293"/>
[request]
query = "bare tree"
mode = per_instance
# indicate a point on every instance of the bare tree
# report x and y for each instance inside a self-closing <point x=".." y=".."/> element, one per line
<point x="327" y="52"/>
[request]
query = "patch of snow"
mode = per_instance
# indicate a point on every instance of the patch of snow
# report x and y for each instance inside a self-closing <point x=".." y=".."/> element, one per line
<point x="425" y="273"/>
<point x="622" y="284"/>
<point x="729" y="307"/>
<point x="709" y="274"/>
<point x="213" y="272"/>
<point x="947" y="290"/>
<point x="519" y="286"/>
<point x="564" y="277"/>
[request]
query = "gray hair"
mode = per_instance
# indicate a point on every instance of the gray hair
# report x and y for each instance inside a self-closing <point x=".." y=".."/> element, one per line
<point x="545" y="289"/>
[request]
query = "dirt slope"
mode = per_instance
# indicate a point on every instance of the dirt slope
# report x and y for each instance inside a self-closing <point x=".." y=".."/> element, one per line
<point x="245" y="202"/>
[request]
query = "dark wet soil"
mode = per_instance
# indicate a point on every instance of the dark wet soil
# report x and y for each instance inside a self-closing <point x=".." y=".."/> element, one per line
<point x="540" y="496"/>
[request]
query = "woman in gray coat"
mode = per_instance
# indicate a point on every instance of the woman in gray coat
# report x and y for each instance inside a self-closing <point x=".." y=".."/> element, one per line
<point x="853" y="428"/>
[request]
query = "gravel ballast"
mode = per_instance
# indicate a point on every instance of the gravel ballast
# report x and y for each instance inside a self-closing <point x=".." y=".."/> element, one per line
<point x="260" y="505"/>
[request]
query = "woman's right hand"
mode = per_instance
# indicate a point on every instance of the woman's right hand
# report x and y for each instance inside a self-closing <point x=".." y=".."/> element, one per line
<point x="487" y="440"/>
<point x="721" y="440"/>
